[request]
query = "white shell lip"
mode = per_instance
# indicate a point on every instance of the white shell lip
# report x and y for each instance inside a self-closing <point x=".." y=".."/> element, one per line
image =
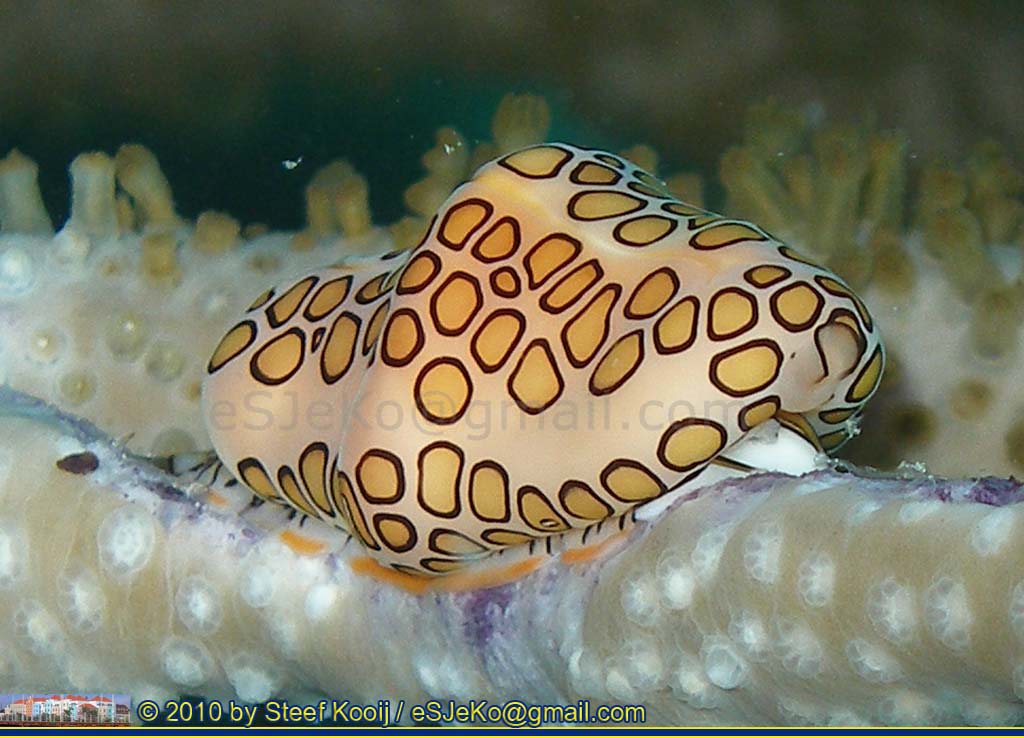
<point x="768" y="448"/>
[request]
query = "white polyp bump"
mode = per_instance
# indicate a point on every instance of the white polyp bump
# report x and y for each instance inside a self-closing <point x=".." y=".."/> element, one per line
<point x="257" y="586"/>
<point x="799" y="649"/>
<point x="186" y="662"/>
<point x="214" y="302"/>
<point x="198" y="605"/>
<point x="842" y="717"/>
<point x="65" y="445"/>
<point x="17" y="271"/>
<point x="619" y="687"/>
<point x="251" y="677"/>
<point x="427" y="666"/>
<point x="13" y="554"/>
<point x="307" y="568"/>
<point x="125" y="540"/>
<point x="761" y="550"/>
<point x="457" y="678"/>
<point x="39" y="630"/>
<point x="284" y="636"/>
<point x="10" y="667"/>
<point x="1017" y="609"/>
<point x="947" y="612"/>
<point x="707" y="552"/>
<point x="872" y="662"/>
<point x="639" y="599"/>
<point x="676" y="578"/>
<point x="1018" y="681"/>
<point x="159" y="692"/>
<point x="981" y="709"/>
<point x="914" y="512"/>
<point x="993" y="531"/>
<point x="690" y="685"/>
<point x="748" y="632"/>
<point x="586" y="673"/>
<point x="320" y="600"/>
<point x="71" y="247"/>
<point x="815" y="579"/>
<point x="907" y="708"/>
<point x="46" y="344"/>
<point x="6" y="456"/>
<point x="641" y="661"/>
<point x="862" y="511"/>
<point x="799" y="712"/>
<point x="891" y="609"/>
<point x="441" y="675"/>
<point x="82" y="599"/>
<point x="723" y="666"/>
<point x="565" y="613"/>
<point x="81" y="674"/>
<point x="575" y="670"/>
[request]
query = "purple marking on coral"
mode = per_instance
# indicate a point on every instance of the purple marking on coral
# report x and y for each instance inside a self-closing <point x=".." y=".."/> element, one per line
<point x="331" y="562"/>
<point x="996" y="491"/>
<point x="480" y="610"/>
<point x="733" y="491"/>
<point x="167" y="491"/>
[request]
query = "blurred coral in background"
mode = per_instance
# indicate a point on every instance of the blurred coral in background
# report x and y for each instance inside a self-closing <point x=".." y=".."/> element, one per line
<point x="228" y="91"/>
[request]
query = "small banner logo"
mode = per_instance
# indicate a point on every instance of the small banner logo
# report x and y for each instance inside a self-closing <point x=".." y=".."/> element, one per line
<point x="65" y="709"/>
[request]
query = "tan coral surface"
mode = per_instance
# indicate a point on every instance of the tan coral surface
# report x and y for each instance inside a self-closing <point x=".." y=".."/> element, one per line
<point x="832" y="599"/>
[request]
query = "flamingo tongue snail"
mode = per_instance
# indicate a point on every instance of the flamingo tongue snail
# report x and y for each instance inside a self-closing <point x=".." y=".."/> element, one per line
<point x="567" y="343"/>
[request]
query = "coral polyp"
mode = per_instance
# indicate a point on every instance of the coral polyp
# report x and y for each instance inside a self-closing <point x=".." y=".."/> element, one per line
<point x="935" y="250"/>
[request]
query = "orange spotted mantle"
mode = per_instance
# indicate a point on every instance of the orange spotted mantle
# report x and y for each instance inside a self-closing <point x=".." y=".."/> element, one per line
<point x="567" y="343"/>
